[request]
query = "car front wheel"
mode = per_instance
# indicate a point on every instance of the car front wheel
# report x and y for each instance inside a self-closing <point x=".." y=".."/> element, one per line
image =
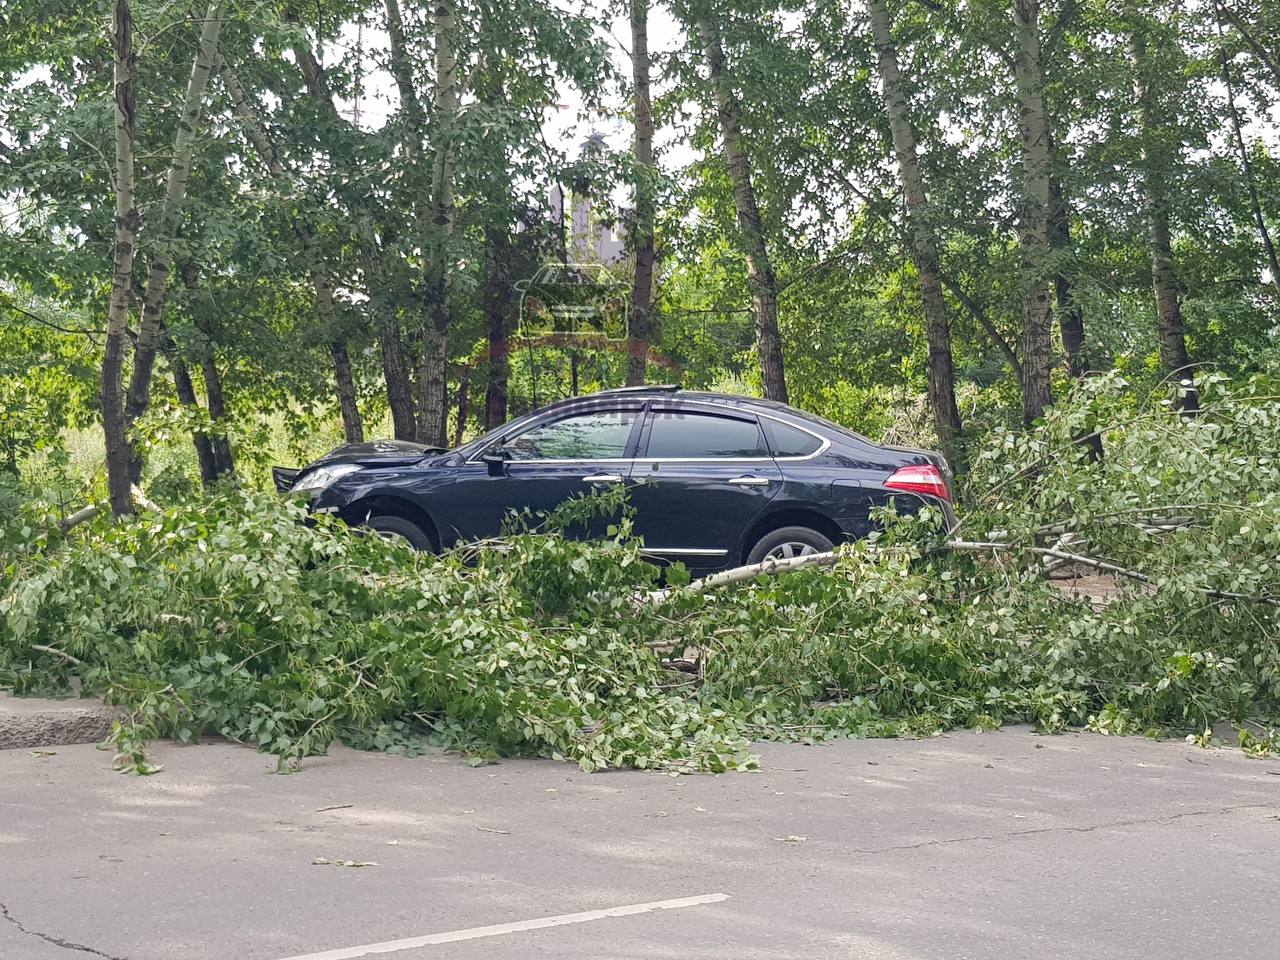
<point x="398" y="528"/>
<point x="788" y="542"/>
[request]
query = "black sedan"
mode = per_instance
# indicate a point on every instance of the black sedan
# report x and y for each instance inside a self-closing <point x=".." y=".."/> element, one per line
<point x="716" y="480"/>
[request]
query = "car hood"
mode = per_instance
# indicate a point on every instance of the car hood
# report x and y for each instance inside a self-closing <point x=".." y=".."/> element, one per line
<point x="383" y="453"/>
<point x="375" y="453"/>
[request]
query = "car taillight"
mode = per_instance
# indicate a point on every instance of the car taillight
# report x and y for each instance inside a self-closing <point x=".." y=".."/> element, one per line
<point x="920" y="478"/>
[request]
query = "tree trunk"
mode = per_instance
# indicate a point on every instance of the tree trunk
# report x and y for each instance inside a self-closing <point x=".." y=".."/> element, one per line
<point x="126" y="229"/>
<point x="1070" y="317"/>
<point x="496" y="293"/>
<point x="760" y="276"/>
<point x="460" y="428"/>
<point x="217" y="408"/>
<point x="1164" y="278"/>
<point x="186" y="392"/>
<point x="642" y="283"/>
<point x="1258" y="49"/>
<point x="212" y="452"/>
<point x="1247" y="166"/>
<point x="224" y="463"/>
<point x="432" y="384"/>
<point x="429" y="407"/>
<point x="353" y="428"/>
<point x="1033" y="239"/>
<point x="401" y="67"/>
<point x="942" y="393"/>
<point x="139" y="395"/>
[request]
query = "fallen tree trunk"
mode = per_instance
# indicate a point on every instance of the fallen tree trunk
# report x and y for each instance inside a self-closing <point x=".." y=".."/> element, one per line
<point x="1056" y="553"/>
<point x="764" y="568"/>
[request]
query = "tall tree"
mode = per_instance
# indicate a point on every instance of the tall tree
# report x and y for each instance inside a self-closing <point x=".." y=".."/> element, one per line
<point x="433" y="405"/>
<point x="139" y="394"/>
<point x="1033" y="233"/>
<point x="942" y="394"/>
<point x="373" y="265"/>
<point x="645" y="173"/>
<point x="751" y="234"/>
<point x="1157" y="160"/>
<point x="126" y="229"/>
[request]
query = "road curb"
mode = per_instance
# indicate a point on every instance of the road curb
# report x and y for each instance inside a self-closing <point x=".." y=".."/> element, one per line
<point x="31" y="723"/>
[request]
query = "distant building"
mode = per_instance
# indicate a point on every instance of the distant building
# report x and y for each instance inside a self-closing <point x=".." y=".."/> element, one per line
<point x="587" y="238"/>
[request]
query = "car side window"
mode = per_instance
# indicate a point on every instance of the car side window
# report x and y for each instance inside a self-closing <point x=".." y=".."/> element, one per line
<point x="702" y="436"/>
<point x="597" y="435"/>
<point x="789" y="441"/>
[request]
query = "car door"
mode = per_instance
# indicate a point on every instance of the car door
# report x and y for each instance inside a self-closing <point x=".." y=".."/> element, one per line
<point x="700" y="477"/>
<point x="547" y="462"/>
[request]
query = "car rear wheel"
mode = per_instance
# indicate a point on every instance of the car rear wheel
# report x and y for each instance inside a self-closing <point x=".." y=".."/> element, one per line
<point x="788" y="542"/>
<point x="398" y="528"/>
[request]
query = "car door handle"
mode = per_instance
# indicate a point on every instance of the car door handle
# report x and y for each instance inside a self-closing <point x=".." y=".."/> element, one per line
<point x="750" y="481"/>
<point x="602" y="478"/>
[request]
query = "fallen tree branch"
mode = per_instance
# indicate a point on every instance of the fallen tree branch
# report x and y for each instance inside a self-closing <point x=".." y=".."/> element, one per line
<point x="749" y="572"/>
<point x="141" y="500"/>
<point x="80" y="516"/>
<point x="55" y="652"/>
<point x="1057" y="555"/>
<point x="1096" y="564"/>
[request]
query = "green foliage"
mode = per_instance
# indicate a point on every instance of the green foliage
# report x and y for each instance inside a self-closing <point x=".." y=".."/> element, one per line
<point x="47" y="380"/>
<point x="233" y="616"/>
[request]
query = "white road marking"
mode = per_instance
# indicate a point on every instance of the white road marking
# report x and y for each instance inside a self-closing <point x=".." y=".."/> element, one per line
<point x="500" y="929"/>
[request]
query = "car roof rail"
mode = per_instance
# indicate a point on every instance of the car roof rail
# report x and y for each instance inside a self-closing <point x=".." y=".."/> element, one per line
<point x="644" y="388"/>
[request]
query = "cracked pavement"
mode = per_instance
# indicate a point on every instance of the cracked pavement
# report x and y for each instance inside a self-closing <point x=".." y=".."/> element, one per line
<point x="994" y="845"/>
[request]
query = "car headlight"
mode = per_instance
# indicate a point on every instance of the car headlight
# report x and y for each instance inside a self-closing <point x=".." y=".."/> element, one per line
<point x="322" y="477"/>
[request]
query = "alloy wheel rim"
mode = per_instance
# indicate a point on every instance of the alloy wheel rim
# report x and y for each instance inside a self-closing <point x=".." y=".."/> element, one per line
<point x="790" y="549"/>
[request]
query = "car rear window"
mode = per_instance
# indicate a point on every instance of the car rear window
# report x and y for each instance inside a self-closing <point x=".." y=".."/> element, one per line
<point x="789" y="441"/>
<point x="702" y="436"/>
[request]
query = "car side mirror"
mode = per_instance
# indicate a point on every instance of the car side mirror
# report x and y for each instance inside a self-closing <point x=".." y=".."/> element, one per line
<point x="496" y="462"/>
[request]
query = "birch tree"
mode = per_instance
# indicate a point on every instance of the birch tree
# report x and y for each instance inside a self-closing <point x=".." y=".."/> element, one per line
<point x="433" y="404"/>
<point x="1157" y="157"/>
<point x="645" y="174"/>
<point x="751" y="234"/>
<point x="139" y="394"/>
<point x="942" y="396"/>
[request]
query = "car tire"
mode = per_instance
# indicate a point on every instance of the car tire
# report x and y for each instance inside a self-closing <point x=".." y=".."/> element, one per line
<point x="789" y="542"/>
<point x="398" y="528"/>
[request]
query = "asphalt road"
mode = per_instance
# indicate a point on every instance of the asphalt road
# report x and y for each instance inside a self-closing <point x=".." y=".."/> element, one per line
<point x="996" y="845"/>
